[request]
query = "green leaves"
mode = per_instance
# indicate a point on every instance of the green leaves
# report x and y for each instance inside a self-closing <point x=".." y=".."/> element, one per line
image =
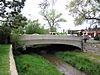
<point x="13" y="26"/>
<point x="16" y="21"/>
<point x="12" y="19"/>
<point x="35" y="27"/>
<point x="14" y="5"/>
<point x="79" y="20"/>
<point x="83" y="10"/>
<point x="72" y="4"/>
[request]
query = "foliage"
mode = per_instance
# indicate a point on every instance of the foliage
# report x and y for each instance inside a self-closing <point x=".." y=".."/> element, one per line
<point x="81" y="62"/>
<point x="84" y="10"/>
<point x="15" y="39"/>
<point x="97" y="38"/>
<point x="14" y="7"/>
<point x="15" y="36"/>
<point x="15" y="21"/>
<point x="34" y="27"/>
<point x="4" y="60"/>
<point x="4" y="34"/>
<point x="51" y="16"/>
<point x="1" y="35"/>
<point x="10" y="17"/>
<point x="19" y="21"/>
<point x="34" y="64"/>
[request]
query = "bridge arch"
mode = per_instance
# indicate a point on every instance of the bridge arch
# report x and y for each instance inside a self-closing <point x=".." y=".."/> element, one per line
<point x="58" y="46"/>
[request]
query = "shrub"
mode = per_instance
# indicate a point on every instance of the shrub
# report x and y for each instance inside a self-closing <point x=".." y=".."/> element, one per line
<point x="97" y="38"/>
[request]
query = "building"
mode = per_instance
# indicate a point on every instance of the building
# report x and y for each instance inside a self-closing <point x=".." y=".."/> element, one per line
<point x="92" y="32"/>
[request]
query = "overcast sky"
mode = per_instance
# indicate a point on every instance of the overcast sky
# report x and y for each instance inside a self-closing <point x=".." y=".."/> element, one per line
<point x="31" y="11"/>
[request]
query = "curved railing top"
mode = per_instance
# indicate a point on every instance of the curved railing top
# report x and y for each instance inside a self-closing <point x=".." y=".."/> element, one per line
<point x="56" y="37"/>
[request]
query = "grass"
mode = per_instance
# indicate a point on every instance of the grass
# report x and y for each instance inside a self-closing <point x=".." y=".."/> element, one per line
<point x="94" y="56"/>
<point x="33" y="64"/>
<point x="81" y="61"/>
<point x="4" y="60"/>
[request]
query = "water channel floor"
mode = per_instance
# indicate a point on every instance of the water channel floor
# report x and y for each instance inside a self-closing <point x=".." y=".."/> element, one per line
<point x="63" y="67"/>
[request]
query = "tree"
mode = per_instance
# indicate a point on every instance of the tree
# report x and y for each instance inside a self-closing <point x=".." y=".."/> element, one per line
<point x="34" y="27"/>
<point x="4" y="34"/>
<point x="10" y="17"/>
<point x="15" y="21"/>
<point x="10" y="13"/>
<point x="18" y="21"/>
<point x="51" y="16"/>
<point x="85" y="11"/>
<point x="10" y="7"/>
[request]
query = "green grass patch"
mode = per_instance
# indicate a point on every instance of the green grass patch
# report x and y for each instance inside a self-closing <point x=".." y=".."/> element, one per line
<point x="95" y="56"/>
<point x="33" y="64"/>
<point x="81" y="62"/>
<point x="4" y="59"/>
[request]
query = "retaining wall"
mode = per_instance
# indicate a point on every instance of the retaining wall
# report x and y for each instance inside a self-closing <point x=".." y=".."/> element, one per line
<point x="13" y="70"/>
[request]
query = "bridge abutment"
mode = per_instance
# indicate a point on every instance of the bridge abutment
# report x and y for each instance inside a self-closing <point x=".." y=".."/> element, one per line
<point x="91" y="46"/>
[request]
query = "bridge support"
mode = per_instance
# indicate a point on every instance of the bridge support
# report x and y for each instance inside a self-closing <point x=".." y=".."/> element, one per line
<point x="91" y="46"/>
<point x="82" y="43"/>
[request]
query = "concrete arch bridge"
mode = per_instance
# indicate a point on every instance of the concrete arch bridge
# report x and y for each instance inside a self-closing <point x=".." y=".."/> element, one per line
<point x="30" y="40"/>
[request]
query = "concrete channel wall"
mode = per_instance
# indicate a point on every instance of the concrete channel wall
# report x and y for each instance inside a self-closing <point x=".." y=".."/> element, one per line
<point x="91" y="45"/>
<point x="13" y="70"/>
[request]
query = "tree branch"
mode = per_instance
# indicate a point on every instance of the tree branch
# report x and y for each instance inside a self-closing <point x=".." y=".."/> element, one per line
<point x="47" y="20"/>
<point x="92" y="18"/>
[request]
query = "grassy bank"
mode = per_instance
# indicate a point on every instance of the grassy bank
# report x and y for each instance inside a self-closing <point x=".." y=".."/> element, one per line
<point x="81" y="61"/>
<point x="4" y="59"/>
<point x="34" y="64"/>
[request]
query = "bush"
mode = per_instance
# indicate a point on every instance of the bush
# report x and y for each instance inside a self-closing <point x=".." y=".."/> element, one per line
<point x="4" y="34"/>
<point x="97" y="38"/>
<point x="35" y="27"/>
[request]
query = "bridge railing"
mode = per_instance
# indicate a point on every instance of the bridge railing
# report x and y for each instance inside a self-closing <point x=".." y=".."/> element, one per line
<point x="56" y="37"/>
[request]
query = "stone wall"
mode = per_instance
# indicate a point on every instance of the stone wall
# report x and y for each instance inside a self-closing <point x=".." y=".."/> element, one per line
<point x="91" y="46"/>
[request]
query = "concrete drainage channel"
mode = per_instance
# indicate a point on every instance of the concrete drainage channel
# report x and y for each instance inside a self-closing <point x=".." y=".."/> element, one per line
<point x="13" y="70"/>
<point x="63" y="67"/>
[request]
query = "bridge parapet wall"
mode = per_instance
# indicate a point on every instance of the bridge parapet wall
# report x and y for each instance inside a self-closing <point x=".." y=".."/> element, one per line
<point x="58" y="37"/>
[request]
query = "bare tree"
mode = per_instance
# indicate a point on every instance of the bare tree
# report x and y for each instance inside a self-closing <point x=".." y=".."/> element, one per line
<point x="51" y="16"/>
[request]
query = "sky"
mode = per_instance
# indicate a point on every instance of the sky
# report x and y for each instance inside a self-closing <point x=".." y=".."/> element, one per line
<point x="31" y="11"/>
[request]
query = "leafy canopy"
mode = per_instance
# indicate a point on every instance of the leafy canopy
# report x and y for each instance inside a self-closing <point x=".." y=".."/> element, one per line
<point x="35" y="27"/>
<point x="84" y="11"/>
<point x="10" y="17"/>
<point x="10" y="7"/>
